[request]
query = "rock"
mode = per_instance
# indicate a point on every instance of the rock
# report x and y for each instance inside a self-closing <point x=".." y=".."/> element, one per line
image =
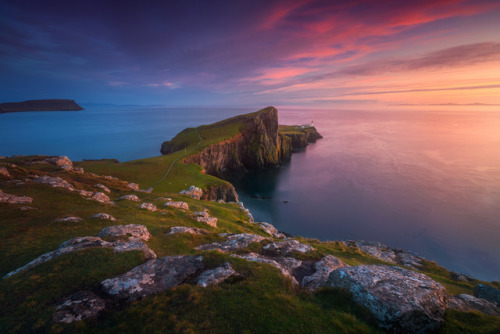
<point x="85" y="193"/>
<point x="149" y="190"/>
<point x="104" y="216"/>
<point x="285" y="265"/>
<point x="216" y="276"/>
<point x="249" y="215"/>
<point x="487" y="292"/>
<point x="178" y="204"/>
<point x="148" y="206"/>
<point x="27" y="208"/>
<point x="185" y="229"/>
<point x="79" y="306"/>
<point x="401" y="300"/>
<point x="323" y="269"/>
<point x="287" y="247"/>
<point x="467" y="303"/>
<point x="133" y="230"/>
<point x="101" y="198"/>
<point x="193" y="191"/>
<point x="130" y="198"/>
<point x="203" y="217"/>
<point x="70" y="219"/>
<point x="4" y="172"/>
<point x="80" y="243"/>
<point x="14" y="199"/>
<point x="460" y="277"/>
<point x="201" y="214"/>
<point x="391" y="255"/>
<point x="103" y="187"/>
<point x="233" y="242"/>
<point x="271" y="230"/>
<point x="78" y="169"/>
<point x="133" y="186"/>
<point x="61" y="161"/>
<point x="54" y="181"/>
<point x="152" y="277"/>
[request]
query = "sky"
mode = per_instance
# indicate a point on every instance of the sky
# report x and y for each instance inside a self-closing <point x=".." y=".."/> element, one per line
<point x="324" y="54"/>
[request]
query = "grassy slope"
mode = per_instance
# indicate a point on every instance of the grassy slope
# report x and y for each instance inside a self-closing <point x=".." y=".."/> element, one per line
<point x="262" y="302"/>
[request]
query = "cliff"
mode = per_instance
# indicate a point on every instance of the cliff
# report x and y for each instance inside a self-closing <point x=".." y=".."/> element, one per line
<point x="40" y="105"/>
<point x="250" y="141"/>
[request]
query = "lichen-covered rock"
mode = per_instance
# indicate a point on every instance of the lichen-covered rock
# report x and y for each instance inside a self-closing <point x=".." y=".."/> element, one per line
<point x="80" y="243"/>
<point x="104" y="216"/>
<point x="388" y="254"/>
<point x="323" y="269"/>
<point x="216" y="276"/>
<point x="103" y="187"/>
<point x="101" y="198"/>
<point x="285" y="265"/>
<point x="133" y="198"/>
<point x="468" y="303"/>
<point x="4" y="172"/>
<point x="79" y="306"/>
<point x="271" y="230"/>
<point x="148" y="206"/>
<point x="70" y="219"/>
<point x="132" y="230"/>
<point x="14" y="199"/>
<point x="401" y="300"/>
<point x="487" y="292"/>
<point x="133" y="186"/>
<point x="153" y="276"/>
<point x="178" y="205"/>
<point x="193" y="191"/>
<point x="286" y="247"/>
<point x="185" y="229"/>
<point x="233" y="242"/>
<point x="54" y="181"/>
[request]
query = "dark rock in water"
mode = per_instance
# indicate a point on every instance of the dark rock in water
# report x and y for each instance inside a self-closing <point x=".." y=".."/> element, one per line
<point x="401" y="300"/>
<point x="468" y="303"/>
<point x="216" y="276"/>
<point x="323" y="268"/>
<point x="79" y="306"/>
<point x="152" y="277"/>
<point x="487" y="292"/>
<point x="40" y="105"/>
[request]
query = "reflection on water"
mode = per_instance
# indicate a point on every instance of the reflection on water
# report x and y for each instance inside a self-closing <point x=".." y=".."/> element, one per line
<point x="425" y="181"/>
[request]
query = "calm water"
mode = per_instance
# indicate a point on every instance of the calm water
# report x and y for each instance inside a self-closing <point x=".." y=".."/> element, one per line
<point x="425" y="181"/>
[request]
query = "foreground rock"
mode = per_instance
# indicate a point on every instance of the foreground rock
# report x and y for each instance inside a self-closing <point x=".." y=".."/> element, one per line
<point x="193" y="191"/>
<point x="80" y="243"/>
<point x="185" y="229"/>
<point x="178" y="205"/>
<point x="153" y="277"/>
<point x="148" y="206"/>
<point x="216" y="276"/>
<point x="323" y="268"/>
<point x="388" y="254"/>
<point x="287" y="247"/>
<point x="487" y="292"/>
<point x="14" y="199"/>
<point x="400" y="300"/>
<point x="79" y="306"/>
<point x="54" y="181"/>
<point x="469" y="303"/>
<point x="104" y="216"/>
<point x="286" y="265"/>
<point x="234" y="242"/>
<point x="133" y="198"/>
<point x="131" y="230"/>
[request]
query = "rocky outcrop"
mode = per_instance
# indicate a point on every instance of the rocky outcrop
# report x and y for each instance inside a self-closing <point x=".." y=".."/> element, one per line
<point x="133" y="198"/>
<point x="487" y="292"/>
<point x="287" y="247"/>
<point x="216" y="276"/>
<point x="131" y="230"/>
<point x="467" y="303"/>
<point x="233" y="242"/>
<point x="80" y="243"/>
<point x="40" y="105"/>
<point x="79" y="306"/>
<point x="193" y="191"/>
<point x="14" y="199"/>
<point x="148" y="206"/>
<point x="323" y="268"/>
<point x="178" y="205"/>
<point x="220" y="191"/>
<point x="302" y="137"/>
<point x="401" y="300"/>
<point x="185" y="229"/>
<point x="152" y="277"/>
<point x="104" y="216"/>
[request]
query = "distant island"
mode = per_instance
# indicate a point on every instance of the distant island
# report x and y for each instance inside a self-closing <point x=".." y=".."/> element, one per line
<point x="40" y="105"/>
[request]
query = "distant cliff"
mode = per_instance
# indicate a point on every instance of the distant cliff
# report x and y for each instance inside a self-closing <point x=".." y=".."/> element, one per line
<point x="256" y="141"/>
<point x="40" y="105"/>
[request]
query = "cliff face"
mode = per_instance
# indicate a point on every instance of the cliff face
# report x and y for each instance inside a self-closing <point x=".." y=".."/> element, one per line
<point x="40" y="105"/>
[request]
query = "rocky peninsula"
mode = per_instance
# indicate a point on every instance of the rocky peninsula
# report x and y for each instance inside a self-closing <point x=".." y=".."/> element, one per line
<point x="148" y="246"/>
<point x="40" y="105"/>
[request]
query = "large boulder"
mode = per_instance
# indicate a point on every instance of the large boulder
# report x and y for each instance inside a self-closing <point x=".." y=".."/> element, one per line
<point x="233" y="242"/>
<point x="487" y="292"/>
<point x="468" y="303"/>
<point x="323" y="268"/>
<point x="286" y="247"/>
<point x="193" y="191"/>
<point x="14" y="199"/>
<point x="216" y="276"/>
<point x="152" y="277"/>
<point x="401" y="300"/>
<point x="79" y="306"/>
<point x="131" y="230"/>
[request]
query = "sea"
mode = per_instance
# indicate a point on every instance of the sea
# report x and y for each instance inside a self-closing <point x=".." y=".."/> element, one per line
<point x="423" y="180"/>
